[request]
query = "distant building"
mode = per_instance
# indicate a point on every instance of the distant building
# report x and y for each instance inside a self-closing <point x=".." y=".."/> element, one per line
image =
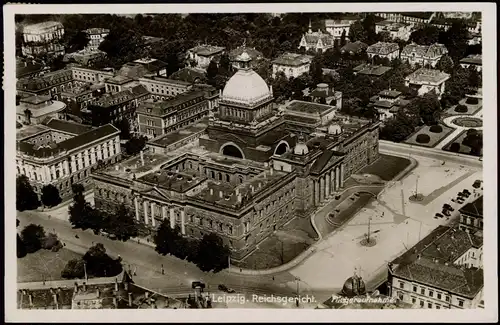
<point x="337" y="27"/>
<point x="162" y="88"/>
<point x="473" y="60"/>
<point x="157" y="118"/>
<point x="63" y="153"/>
<point x="255" y="55"/>
<point x="82" y="96"/>
<point x="327" y="95"/>
<point x="316" y="41"/>
<point x="96" y="36"/>
<point x="442" y="271"/>
<point x="50" y="84"/>
<point x="425" y="80"/>
<point x="395" y="30"/>
<point x="387" y="103"/>
<point x="153" y="66"/>
<point x="117" y="106"/>
<point x="34" y="109"/>
<point x="43" y="38"/>
<point x="95" y="293"/>
<point x="85" y="74"/>
<point x="389" y="51"/>
<point x="371" y="70"/>
<point x="141" y="68"/>
<point x="191" y="75"/>
<point x="85" y="57"/>
<point x="203" y="54"/>
<point x="424" y="55"/>
<point x="415" y="17"/>
<point x="118" y="83"/>
<point x="471" y="216"/>
<point x="292" y="64"/>
<point x="353" y="48"/>
<point x="26" y="68"/>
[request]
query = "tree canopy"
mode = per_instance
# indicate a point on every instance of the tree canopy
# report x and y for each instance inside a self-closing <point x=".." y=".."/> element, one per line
<point x="212" y="254"/>
<point x="121" y="223"/>
<point x="32" y="236"/>
<point x="26" y="198"/>
<point x="50" y="195"/>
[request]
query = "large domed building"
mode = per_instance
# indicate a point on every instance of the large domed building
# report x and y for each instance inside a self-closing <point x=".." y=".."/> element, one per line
<point x="353" y="287"/>
<point x="247" y="125"/>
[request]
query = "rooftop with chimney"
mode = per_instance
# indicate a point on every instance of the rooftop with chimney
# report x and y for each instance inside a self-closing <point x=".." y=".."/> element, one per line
<point x="427" y="76"/>
<point x="435" y="261"/>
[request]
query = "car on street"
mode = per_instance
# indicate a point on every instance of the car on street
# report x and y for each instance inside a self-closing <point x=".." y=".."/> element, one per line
<point x="448" y="207"/>
<point x="477" y="183"/>
<point x="224" y="288"/>
<point x="438" y="215"/>
<point x="446" y="212"/>
<point x="466" y="191"/>
<point x="460" y="194"/>
<point x="460" y="200"/>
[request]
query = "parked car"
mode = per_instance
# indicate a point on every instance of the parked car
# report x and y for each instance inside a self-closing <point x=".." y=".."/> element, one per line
<point x="438" y="215"/>
<point x="446" y="212"/>
<point x="466" y="191"/>
<point x="112" y="236"/>
<point x="448" y="207"/>
<point x="224" y="288"/>
<point x="460" y="194"/>
<point x="460" y="200"/>
<point x="477" y="183"/>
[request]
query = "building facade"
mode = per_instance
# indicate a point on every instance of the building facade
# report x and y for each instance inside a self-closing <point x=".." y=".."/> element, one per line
<point x="316" y="41"/>
<point x="292" y="64"/>
<point x="246" y="174"/>
<point x="395" y="30"/>
<point x="442" y="271"/>
<point x="95" y="37"/>
<point x="471" y="216"/>
<point x="338" y="27"/>
<point x="426" y="80"/>
<point x="63" y="153"/>
<point x="162" y="88"/>
<point x="473" y="60"/>
<point x="203" y="54"/>
<point x="35" y="109"/>
<point x="43" y="38"/>
<point x="423" y="55"/>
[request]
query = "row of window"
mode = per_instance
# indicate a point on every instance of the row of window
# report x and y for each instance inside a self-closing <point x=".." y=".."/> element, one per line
<point x="428" y="292"/>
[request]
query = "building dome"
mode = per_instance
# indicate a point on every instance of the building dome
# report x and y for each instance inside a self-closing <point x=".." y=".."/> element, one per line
<point x="246" y="86"/>
<point x="354" y="286"/>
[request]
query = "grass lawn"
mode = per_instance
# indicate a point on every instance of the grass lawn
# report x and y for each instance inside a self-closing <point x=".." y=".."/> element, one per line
<point x="435" y="137"/>
<point x="463" y="148"/>
<point x="43" y="265"/>
<point x="386" y="167"/>
<point x="471" y="109"/>
<point x="282" y="246"/>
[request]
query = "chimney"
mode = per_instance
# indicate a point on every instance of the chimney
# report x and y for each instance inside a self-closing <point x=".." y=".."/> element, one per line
<point x="30" y="297"/>
<point x="211" y="191"/>
<point x="98" y="293"/>
<point x="54" y="295"/>
<point x="221" y="195"/>
<point x="237" y="191"/>
<point x="84" y="286"/>
<point x="146" y="294"/>
<point x="116" y="284"/>
<point x="125" y="285"/>
<point x="25" y="64"/>
<point x="252" y="188"/>
<point x="76" y="287"/>
<point x="130" y="299"/>
<point x="260" y="185"/>
<point x="142" y="157"/>
<point x="115" y="303"/>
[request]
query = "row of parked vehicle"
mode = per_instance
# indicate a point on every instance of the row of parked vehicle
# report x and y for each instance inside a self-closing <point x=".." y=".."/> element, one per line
<point x="460" y="199"/>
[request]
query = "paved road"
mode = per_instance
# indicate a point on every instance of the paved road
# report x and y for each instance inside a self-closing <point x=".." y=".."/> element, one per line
<point x="147" y="263"/>
<point x="417" y="151"/>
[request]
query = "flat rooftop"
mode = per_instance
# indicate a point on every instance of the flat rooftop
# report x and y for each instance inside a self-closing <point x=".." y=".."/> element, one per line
<point x="173" y="137"/>
<point x="424" y="75"/>
<point x="30" y="130"/>
<point x="127" y="168"/>
<point x="307" y="107"/>
<point x="176" y="181"/>
<point x="371" y="70"/>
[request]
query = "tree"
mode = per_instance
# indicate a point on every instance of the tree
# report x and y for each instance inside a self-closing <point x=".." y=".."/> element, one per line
<point x="212" y="71"/>
<point x="474" y="140"/>
<point x="124" y="126"/>
<point x="100" y="264"/>
<point x="343" y="38"/>
<point x="81" y="214"/>
<point x="455" y="39"/>
<point x="212" y="253"/>
<point x="427" y="107"/>
<point x="135" y="144"/>
<point x="455" y="147"/>
<point x="399" y="127"/>
<point x="74" y="269"/>
<point x="77" y="42"/>
<point x="21" y="248"/>
<point x="52" y="242"/>
<point x="427" y="35"/>
<point x="316" y="70"/>
<point x="445" y="64"/>
<point x="166" y="238"/>
<point x="32" y="236"/>
<point x="474" y="80"/>
<point x="26" y="198"/>
<point x="224" y="65"/>
<point x="50" y="196"/>
<point x="121" y="223"/>
<point x="357" y="32"/>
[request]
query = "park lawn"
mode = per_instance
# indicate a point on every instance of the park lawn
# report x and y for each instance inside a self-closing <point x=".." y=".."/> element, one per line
<point x="463" y="148"/>
<point x="386" y="167"/>
<point x="471" y="109"/>
<point x="435" y="137"/>
<point x="44" y="265"/>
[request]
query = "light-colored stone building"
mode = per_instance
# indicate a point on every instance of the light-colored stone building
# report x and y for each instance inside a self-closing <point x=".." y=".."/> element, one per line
<point x="336" y="27"/>
<point x="423" y="55"/>
<point x="35" y="109"/>
<point x="473" y="60"/>
<point x="426" y="80"/>
<point x="203" y="54"/>
<point x="316" y="41"/>
<point x="43" y="38"/>
<point x="96" y="36"/>
<point x="389" y="51"/>
<point x="395" y="30"/>
<point x="292" y="64"/>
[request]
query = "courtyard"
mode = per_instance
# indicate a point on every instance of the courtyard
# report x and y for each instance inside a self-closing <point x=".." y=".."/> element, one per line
<point x="434" y="138"/>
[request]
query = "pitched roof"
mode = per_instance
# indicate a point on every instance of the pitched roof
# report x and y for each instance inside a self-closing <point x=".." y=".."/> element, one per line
<point x="424" y="75"/>
<point x="473" y="59"/>
<point x="162" y="107"/>
<point x="207" y="50"/>
<point x="66" y="126"/>
<point x="371" y="70"/>
<point x="46" y="81"/>
<point x="426" y="51"/>
<point x="189" y="74"/>
<point x="292" y="59"/>
<point x="121" y="97"/>
<point x="355" y="47"/>
<point x="474" y="208"/>
<point x="312" y="38"/>
<point x="382" y="48"/>
<point x="321" y="162"/>
<point x="418" y="14"/>
<point x="431" y="262"/>
<point x="27" y="67"/>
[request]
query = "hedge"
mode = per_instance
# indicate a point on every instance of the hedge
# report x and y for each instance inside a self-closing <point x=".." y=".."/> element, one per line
<point x="461" y="109"/>
<point x="472" y="101"/>
<point x="455" y="147"/>
<point x="423" y="138"/>
<point x="436" y="129"/>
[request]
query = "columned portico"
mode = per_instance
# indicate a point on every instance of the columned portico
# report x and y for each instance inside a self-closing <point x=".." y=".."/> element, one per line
<point x="183" y="219"/>
<point x="153" y="220"/>
<point x="136" y="203"/>
<point x="328" y="182"/>
<point x="337" y="177"/>
<point x="316" y="192"/>
<point x="342" y="171"/>
<point x="172" y="218"/>
<point x="163" y="212"/>
<point x="145" y="207"/>
<point x="321" y="189"/>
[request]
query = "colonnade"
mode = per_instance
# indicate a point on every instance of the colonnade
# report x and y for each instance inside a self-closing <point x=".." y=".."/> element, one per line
<point x="165" y="211"/>
<point x="329" y="183"/>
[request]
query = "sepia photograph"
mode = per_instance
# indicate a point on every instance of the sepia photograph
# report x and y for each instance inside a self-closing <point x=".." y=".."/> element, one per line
<point x="275" y="159"/>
